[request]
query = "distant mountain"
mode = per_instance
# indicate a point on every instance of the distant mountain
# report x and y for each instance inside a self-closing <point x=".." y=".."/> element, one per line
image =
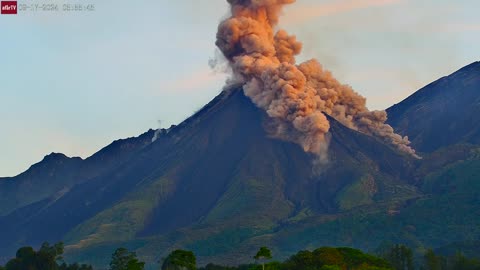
<point x="443" y="113"/>
<point x="219" y="185"/>
<point x="56" y="174"/>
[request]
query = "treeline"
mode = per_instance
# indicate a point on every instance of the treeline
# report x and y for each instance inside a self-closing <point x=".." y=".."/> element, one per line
<point x="46" y="258"/>
<point x="397" y="257"/>
<point x="401" y="257"/>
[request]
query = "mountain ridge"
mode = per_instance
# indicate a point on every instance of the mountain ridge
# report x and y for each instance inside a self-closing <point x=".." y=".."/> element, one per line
<point x="28" y="187"/>
<point x="221" y="146"/>
<point x="220" y="185"/>
<point x="441" y="113"/>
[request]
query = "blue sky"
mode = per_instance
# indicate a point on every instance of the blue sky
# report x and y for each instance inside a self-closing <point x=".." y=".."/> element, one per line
<point x="72" y="82"/>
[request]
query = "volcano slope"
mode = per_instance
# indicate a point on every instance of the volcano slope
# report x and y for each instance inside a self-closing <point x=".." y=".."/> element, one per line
<point x="442" y="113"/>
<point x="57" y="173"/>
<point x="216" y="184"/>
<point x="219" y="185"/>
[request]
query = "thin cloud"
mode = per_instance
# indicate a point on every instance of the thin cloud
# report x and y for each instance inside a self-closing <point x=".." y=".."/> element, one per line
<point x="440" y="28"/>
<point x="307" y="13"/>
<point x="194" y="81"/>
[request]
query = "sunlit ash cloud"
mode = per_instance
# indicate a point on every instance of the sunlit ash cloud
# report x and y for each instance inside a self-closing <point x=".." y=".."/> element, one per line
<point x="296" y="97"/>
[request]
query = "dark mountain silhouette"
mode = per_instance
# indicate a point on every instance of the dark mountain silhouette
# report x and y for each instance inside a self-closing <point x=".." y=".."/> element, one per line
<point x="442" y="113"/>
<point x="54" y="174"/>
<point x="219" y="185"/>
<point x="57" y="173"/>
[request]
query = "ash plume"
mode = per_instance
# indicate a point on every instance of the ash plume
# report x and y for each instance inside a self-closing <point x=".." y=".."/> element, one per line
<point x="295" y="96"/>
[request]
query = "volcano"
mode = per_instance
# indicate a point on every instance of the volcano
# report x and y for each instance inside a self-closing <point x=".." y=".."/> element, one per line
<point x="220" y="185"/>
<point x="218" y="168"/>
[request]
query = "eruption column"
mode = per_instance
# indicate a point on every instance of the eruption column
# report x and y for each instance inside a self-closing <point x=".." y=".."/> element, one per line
<point x="295" y="96"/>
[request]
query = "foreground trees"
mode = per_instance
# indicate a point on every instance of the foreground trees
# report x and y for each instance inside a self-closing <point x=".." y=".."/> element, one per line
<point x="46" y="258"/>
<point x="122" y="259"/>
<point x="180" y="260"/>
<point x="432" y="261"/>
<point x="400" y="257"/>
<point x="396" y="257"/>
<point x="334" y="258"/>
<point x="262" y="255"/>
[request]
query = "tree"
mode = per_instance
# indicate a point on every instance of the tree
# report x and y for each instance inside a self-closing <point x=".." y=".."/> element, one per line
<point x="15" y="264"/>
<point x="135" y="265"/>
<point x="263" y="254"/>
<point x="180" y="259"/>
<point x="302" y="260"/>
<point x="122" y="259"/>
<point x="48" y="256"/>
<point x="75" y="266"/>
<point x="45" y="258"/>
<point x="55" y="251"/>
<point x="400" y="257"/>
<point x="460" y="262"/>
<point x="25" y="258"/>
<point x="432" y="261"/>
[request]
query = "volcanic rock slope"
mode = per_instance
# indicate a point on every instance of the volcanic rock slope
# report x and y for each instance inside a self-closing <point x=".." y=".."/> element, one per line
<point x="443" y="113"/>
<point x="219" y="185"/>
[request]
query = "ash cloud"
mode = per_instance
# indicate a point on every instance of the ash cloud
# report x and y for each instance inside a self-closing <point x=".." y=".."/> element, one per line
<point x="295" y="96"/>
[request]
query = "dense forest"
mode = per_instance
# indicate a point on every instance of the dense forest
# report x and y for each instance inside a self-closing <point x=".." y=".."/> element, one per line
<point x="395" y="257"/>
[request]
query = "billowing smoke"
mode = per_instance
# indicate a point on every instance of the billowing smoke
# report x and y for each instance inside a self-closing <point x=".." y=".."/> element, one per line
<point x="295" y="96"/>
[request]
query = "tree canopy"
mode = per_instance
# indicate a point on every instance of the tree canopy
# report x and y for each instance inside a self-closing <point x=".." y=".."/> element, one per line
<point x="122" y="259"/>
<point x="48" y="257"/>
<point x="263" y="254"/>
<point x="180" y="259"/>
<point x="392" y="257"/>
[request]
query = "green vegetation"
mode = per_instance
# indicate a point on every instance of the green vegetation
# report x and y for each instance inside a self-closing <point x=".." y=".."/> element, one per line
<point x="180" y="259"/>
<point x="395" y="257"/>
<point x="122" y="221"/>
<point x="122" y="259"/>
<point x="400" y="257"/>
<point x="263" y="254"/>
<point x="46" y="258"/>
<point x="359" y="193"/>
<point x="334" y="258"/>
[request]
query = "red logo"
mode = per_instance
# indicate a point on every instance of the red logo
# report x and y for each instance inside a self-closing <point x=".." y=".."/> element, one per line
<point x="9" y="7"/>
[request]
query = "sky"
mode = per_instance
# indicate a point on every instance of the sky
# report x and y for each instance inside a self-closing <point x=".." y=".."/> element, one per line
<point x="74" y="81"/>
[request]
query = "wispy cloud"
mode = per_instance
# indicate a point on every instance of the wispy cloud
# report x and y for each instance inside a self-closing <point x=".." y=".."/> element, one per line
<point x="194" y="81"/>
<point x="305" y="13"/>
<point x="434" y="28"/>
